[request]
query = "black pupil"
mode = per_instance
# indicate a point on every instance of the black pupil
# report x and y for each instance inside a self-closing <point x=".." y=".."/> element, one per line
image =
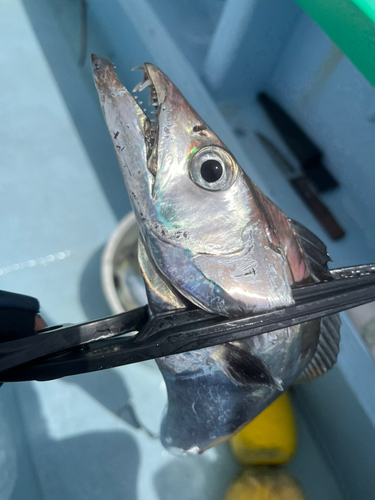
<point x="211" y="170"/>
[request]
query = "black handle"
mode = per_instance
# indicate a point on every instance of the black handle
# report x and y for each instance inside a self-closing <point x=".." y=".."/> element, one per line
<point x="306" y="151"/>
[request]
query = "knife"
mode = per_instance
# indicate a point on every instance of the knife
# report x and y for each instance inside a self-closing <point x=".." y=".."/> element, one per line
<point x="308" y="154"/>
<point x="303" y="186"/>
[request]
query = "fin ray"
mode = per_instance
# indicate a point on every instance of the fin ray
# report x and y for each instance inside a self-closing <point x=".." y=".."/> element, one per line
<point x="327" y="350"/>
<point x="314" y="250"/>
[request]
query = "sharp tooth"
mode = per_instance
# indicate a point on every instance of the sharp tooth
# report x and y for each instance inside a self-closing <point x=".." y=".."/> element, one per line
<point x="137" y="67"/>
<point x="145" y="84"/>
<point x="140" y="102"/>
<point x="154" y="104"/>
<point x="154" y="112"/>
<point x="137" y="87"/>
<point x="135" y="96"/>
<point x="144" y="109"/>
<point x="149" y="98"/>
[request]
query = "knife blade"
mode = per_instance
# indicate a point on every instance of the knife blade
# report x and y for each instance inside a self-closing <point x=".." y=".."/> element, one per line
<point x="305" y="190"/>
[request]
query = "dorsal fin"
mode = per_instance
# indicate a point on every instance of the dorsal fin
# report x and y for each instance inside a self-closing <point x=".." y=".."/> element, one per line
<point x="316" y="256"/>
<point x="326" y="352"/>
<point x="314" y="250"/>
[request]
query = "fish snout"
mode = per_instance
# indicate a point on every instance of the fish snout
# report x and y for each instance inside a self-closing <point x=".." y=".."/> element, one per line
<point x="105" y="78"/>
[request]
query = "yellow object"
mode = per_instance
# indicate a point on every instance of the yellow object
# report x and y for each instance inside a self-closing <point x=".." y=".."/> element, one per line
<point x="264" y="483"/>
<point x="270" y="438"/>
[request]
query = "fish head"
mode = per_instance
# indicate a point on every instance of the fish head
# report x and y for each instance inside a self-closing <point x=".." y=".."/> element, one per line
<point x="196" y="209"/>
<point x="174" y="167"/>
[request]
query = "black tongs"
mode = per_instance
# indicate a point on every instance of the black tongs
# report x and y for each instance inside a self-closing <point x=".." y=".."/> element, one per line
<point x="137" y="335"/>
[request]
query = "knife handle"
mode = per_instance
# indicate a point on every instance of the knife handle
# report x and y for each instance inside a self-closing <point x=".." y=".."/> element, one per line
<point x="327" y="220"/>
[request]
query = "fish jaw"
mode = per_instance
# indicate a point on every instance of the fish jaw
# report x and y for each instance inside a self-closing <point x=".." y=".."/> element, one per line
<point x="131" y="133"/>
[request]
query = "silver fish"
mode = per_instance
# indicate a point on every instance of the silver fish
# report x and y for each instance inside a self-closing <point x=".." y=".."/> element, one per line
<point x="210" y="238"/>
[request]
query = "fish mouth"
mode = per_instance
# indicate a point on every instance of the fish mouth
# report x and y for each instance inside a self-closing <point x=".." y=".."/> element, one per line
<point x="158" y="85"/>
<point x="143" y="122"/>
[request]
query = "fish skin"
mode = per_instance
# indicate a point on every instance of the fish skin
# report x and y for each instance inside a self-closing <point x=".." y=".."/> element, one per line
<point x="222" y="246"/>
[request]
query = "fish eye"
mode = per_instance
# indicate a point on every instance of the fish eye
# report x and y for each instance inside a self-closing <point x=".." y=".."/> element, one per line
<point x="213" y="168"/>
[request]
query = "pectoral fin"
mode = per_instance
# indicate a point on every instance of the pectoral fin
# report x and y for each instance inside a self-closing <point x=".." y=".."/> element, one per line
<point x="242" y="367"/>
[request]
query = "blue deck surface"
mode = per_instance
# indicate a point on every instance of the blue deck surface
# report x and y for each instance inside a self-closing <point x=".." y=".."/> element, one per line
<point x="61" y="196"/>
